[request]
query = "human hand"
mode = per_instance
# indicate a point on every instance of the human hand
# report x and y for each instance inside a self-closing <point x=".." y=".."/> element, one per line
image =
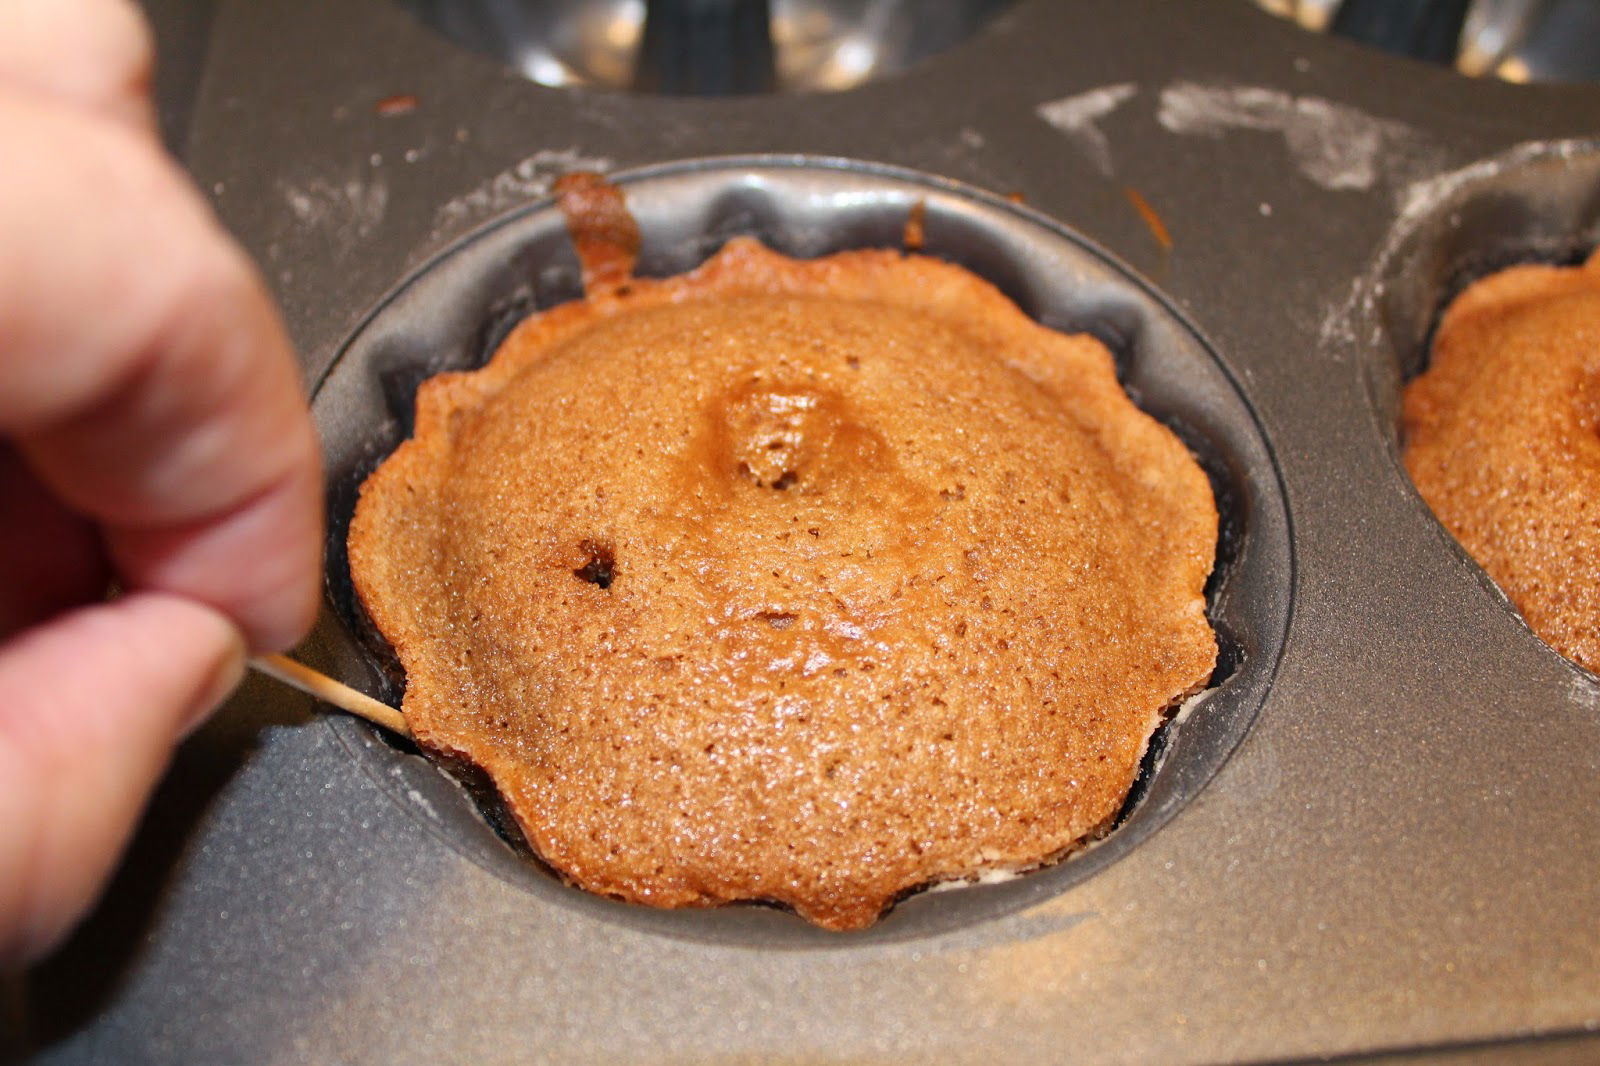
<point x="153" y="433"/>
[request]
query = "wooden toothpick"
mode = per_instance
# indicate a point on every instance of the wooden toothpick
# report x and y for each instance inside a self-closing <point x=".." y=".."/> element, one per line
<point x="325" y="688"/>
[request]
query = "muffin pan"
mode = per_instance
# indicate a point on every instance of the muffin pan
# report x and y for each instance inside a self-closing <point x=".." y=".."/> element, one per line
<point x="1377" y="838"/>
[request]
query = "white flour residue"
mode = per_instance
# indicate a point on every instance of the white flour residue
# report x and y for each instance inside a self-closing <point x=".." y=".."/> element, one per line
<point x="1338" y="330"/>
<point x="348" y="209"/>
<point x="398" y="771"/>
<point x="1188" y="706"/>
<point x="528" y="180"/>
<point x="422" y="801"/>
<point x="989" y="875"/>
<point x="1334" y="145"/>
<point x="1420" y="196"/>
<point x="1586" y="693"/>
<point x="1077" y="117"/>
<point x="1416" y="201"/>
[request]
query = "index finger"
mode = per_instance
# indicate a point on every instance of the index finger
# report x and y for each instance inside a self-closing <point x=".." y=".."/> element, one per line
<point x="94" y="54"/>
<point x="145" y="375"/>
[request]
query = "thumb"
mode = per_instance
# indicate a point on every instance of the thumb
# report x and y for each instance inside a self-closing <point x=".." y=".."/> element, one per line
<point x="90" y="707"/>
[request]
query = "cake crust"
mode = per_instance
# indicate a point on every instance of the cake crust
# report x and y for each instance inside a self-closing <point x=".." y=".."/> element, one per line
<point x="800" y="581"/>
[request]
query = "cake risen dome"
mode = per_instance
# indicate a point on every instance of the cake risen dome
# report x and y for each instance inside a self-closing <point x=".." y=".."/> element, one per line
<point x="803" y="581"/>
<point x="1503" y="441"/>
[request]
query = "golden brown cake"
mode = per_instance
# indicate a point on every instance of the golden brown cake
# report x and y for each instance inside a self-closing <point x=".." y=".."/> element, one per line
<point x="1503" y="441"/>
<point x="800" y="581"/>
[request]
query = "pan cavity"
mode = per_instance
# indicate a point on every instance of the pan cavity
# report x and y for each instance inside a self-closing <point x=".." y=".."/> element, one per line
<point x="708" y="47"/>
<point x="1513" y="40"/>
<point x="1538" y="203"/>
<point x="454" y="312"/>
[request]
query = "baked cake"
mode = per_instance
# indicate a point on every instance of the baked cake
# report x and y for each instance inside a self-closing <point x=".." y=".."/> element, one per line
<point x="1503" y="440"/>
<point x="800" y="581"/>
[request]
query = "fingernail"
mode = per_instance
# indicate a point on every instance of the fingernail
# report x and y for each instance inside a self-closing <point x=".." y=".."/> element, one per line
<point x="225" y="677"/>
